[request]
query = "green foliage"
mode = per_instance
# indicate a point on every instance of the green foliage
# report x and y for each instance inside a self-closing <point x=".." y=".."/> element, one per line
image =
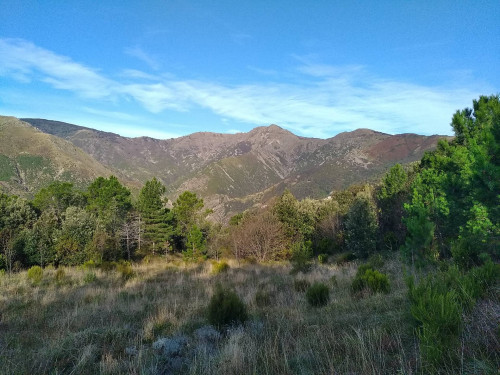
<point x="438" y="303"/>
<point x="226" y="308"/>
<point x="346" y="257"/>
<point x="60" y="276"/>
<point x="361" y="227"/>
<point x="125" y="270"/>
<point x="157" y="219"/>
<point x="368" y="278"/>
<point x="318" y="295"/>
<point x="195" y="245"/>
<point x="90" y="277"/>
<point x="58" y="196"/>
<point x="35" y="275"/>
<point x="322" y="258"/>
<point x="301" y="285"/>
<point x="220" y="267"/>
<point x="301" y="256"/>
<point x="187" y="209"/>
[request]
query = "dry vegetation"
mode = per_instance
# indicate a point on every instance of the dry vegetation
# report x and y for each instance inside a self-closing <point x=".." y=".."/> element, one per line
<point x="72" y="322"/>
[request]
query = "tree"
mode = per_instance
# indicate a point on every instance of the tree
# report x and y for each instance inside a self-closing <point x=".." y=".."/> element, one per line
<point x="195" y="244"/>
<point x="187" y="210"/>
<point x="110" y="201"/>
<point x="361" y="227"/>
<point x="58" y="196"/>
<point x="157" y="218"/>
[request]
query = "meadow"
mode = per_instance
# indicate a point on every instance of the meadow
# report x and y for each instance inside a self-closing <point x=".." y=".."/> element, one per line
<point x="84" y="320"/>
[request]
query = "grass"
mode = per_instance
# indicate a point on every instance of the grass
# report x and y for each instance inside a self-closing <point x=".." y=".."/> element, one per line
<point x="109" y="325"/>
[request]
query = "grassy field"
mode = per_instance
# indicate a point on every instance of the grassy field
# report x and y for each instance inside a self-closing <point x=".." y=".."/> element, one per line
<point x="90" y="321"/>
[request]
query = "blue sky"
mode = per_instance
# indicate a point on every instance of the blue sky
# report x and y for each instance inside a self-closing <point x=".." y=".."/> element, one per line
<point x="170" y="68"/>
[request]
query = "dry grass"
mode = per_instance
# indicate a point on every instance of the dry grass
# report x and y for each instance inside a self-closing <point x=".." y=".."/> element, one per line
<point x="107" y="326"/>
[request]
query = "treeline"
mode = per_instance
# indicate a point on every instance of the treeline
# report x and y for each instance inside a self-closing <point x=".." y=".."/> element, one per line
<point x="446" y="206"/>
<point x="65" y="226"/>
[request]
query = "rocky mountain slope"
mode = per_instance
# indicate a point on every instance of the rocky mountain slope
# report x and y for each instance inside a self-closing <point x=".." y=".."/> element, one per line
<point x="235" y="171"/>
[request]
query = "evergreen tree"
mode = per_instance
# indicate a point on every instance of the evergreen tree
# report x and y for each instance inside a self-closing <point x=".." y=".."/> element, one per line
<point x="156" y="217"/>
<point x="361" y="227"/>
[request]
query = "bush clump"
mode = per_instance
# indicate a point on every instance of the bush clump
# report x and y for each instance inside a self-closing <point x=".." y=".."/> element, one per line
<point x="226" y="308"/>
<point x="125" y="270"/>
<point x="368" y="278"/>
<point x="262" y="298"/>
<point x="318" y="295"/>
<point x="220" y="267"/>
<point x="60" y="275"/>
<point x="89" y="277"/>
<point x="35" y="275"/>
<point x="322" y="258"/>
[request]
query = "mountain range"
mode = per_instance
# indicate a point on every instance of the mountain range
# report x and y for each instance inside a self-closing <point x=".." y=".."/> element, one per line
<point x="232" y="172"/>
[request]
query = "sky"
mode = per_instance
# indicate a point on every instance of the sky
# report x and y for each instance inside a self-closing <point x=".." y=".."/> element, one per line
<point x="169" y="68"/>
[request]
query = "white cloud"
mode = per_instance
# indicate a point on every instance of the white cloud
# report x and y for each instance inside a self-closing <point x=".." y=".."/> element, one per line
<point x="140" y="54"/>
<point x="319" y="101"/>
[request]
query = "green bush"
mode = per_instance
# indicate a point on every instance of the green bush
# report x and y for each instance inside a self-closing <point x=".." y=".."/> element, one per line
<point x="35" y="275"/>
<point x="219" y="267"/>
<point x="89" y="277"/>
<point x="301" y="256"/>
<point x="60" y="275"/>
<point x="322" y="258"/>
<point x="318" y="295"/>
<point x="124" y="268"/>
<point x="226" y="308"/>
<point x="343" y="258"/>
<point x="89" y="265"/>
<point x="301" y="285"/>
<point x="368" y="278"/>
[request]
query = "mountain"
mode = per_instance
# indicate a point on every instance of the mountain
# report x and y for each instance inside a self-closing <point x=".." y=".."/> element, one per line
<point x="31" y="159"/>
<point x="235" y="171"/>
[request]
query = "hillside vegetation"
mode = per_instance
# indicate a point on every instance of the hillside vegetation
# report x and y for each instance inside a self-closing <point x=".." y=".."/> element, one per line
<point x="398" y="277"/>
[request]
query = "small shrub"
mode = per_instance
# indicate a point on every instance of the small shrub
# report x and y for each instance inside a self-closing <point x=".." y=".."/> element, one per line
<point x="220" y="267"/>
<point x="301" y="285"/>
<point x="318" y="295"/>
<point x="368" y="278"/>
<point x="226" y="308"/>
<point x="125" y="270"/>
<point x="35" y="275"/>
<point x="89" y="277"/>
<point x="89" y="265"/>
<point x="322" y="258"/>
<point x="60" y="275"/>
<point x="343" y="258"/>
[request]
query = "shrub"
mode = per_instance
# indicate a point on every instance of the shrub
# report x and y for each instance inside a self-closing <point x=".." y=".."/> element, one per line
<point x="322" y="258"/>
<point x="60" y="275"/>
<point x="89" y="277"/>
<point x="89" y="265"/>
<point x="301" y="285"/>
<point x="343" y="258"/>
<point x="226" y="308"/>
<point x="219" y="267"/>
<point x="318" y="295"/>
<point x="368" y="278"/>
<point x="124" y="268"/>
<point x="35" y="274"/>
<point x="301" y="256"/>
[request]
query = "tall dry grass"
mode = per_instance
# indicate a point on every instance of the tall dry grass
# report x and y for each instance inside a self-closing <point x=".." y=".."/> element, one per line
<point x="104" y="324"/>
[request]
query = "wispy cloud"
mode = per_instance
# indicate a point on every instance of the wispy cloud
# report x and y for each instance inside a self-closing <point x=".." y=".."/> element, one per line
<point x="140" y="54"/>
<point x="320" y="100"/>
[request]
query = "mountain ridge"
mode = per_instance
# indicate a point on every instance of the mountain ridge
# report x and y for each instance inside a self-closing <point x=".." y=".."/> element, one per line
<point x="228" y="169"/>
